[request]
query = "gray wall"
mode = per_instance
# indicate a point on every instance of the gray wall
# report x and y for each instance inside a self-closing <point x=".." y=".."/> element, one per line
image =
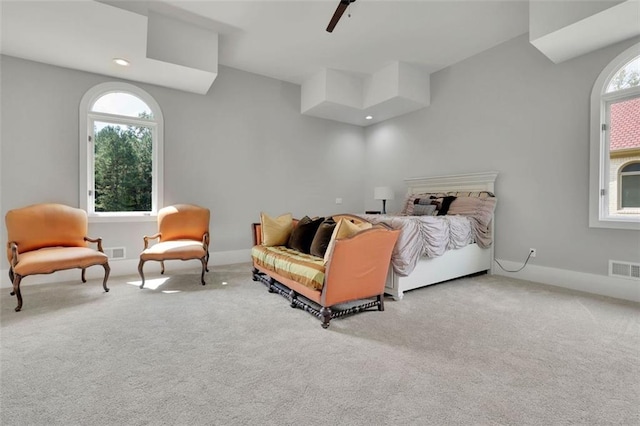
<point x="244" y="147"/>
<point x="512" y="110"/>
<point x="240" y="149"/>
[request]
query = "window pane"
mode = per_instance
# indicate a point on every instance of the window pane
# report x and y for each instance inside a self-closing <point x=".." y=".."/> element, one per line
<point x="122" y="167"/>
<point x="628" y="76"/>
<point x="633" y="167"/>
<point x="630" y="191"/>
<point x="122" y="104"/>
<point x="624" y="150"/>
<point x="625" y="125"/>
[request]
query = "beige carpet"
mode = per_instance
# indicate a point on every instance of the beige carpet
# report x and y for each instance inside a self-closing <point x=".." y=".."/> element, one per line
<point x="486" y="350"/>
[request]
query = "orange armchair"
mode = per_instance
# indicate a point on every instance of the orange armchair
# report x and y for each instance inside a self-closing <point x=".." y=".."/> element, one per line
<point x="183" y="234"/>
<point x="45" y="238"/>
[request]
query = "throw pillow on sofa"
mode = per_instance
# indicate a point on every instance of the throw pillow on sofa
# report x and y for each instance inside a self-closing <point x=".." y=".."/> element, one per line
<point x="302" y="235"/>
<point x="323" y="236"/>
<point x="344" y="229"/>
<point x="276" y="231"/>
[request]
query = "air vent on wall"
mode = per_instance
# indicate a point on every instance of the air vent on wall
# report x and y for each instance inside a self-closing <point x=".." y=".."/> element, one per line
<point x="115" y="253"/>
<point x="624" y="269"/>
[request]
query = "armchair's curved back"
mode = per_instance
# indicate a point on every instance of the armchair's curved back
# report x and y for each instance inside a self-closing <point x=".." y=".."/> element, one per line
<point x="183" y="222"/>
<point x="46" y="225"/>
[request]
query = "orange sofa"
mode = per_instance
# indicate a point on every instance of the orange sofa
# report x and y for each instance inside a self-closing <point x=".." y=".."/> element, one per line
<point x="356" y="270"/>
<point x="45" y="238"/>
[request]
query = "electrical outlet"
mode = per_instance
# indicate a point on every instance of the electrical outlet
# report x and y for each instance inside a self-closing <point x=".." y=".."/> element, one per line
<point x="533" y="252"/>
<point x="338" y="200"/>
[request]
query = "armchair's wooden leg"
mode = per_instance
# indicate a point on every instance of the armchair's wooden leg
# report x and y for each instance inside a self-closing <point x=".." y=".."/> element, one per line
<point x="325" y="313"/>
<point x="381" y="302"/>
<point x="11" y="276"/>
<point x="162" y="267"/>
<point x="204" y="268"/>
<point x="84" y="280"/>
<point x="16" y="291"/>
<point x="207" y="260"/>
<point x="107" y="270"/>
<point x="140" y="265"/>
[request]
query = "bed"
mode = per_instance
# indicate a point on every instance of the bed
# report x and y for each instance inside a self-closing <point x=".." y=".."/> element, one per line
<point x="455" y="262"/>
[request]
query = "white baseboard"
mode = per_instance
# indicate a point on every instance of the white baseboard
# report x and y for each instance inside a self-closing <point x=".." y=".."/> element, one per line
<point x="128" y="267"/>
<point x="603" y="285"/>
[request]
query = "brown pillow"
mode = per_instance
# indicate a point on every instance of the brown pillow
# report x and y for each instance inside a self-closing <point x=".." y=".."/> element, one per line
<point x="323" y="236"/>
<point x="302" y="235"/>
<point x="442" y="204"/>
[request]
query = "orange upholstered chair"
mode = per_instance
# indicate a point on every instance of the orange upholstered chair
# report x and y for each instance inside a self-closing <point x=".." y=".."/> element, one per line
<point x="45" y="238"/>
<point x="183" y="234"/>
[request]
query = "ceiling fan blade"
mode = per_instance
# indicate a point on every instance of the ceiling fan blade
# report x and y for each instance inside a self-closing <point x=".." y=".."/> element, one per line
<point x="338" y="14"/>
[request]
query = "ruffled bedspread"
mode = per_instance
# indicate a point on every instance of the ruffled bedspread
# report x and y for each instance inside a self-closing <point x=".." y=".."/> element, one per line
<point x="428" y="236"/>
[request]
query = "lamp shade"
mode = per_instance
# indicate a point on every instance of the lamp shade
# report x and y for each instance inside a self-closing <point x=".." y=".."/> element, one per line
<point x="383" y="193"/>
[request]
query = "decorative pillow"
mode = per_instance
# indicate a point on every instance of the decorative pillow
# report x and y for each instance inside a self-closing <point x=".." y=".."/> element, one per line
<point x="276" y="231"/>
<point x="442" y="204"/>
<point x="408" y="206"/>
<point x="422" y="210"/>
<point x="344" y="229"/>
<point x="476" y="194"/>
<point x="479" y="208"/>
<point x="323" y="236"/>
<point x="422" y="201"/>
<point x="422" y="198"/>
<point x="302" y="235"/>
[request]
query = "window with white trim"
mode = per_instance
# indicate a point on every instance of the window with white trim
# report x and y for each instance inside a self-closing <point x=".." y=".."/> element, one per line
<point x="120" y="152"/>
<point x="629" y="194"/>
<point x="615" y="144"/>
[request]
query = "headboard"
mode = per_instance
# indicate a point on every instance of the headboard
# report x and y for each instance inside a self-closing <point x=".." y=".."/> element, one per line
<point x="472" y="182"/>
<point x="468" y="182"/>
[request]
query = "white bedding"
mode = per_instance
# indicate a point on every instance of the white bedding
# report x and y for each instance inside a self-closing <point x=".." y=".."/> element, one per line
<point x="428" y="236"/>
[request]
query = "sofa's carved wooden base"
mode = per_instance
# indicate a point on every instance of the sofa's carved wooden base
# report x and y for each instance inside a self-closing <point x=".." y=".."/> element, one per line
<point x="326" y="314"/>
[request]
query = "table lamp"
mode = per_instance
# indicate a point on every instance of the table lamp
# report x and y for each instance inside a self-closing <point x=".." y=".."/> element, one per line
<point x="383" y="193"/>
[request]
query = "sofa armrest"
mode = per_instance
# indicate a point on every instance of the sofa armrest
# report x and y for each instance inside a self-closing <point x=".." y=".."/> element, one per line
<point x="95" y="240"/>
<point x="358" y="266"/>
<point x="256" y="232"/>
<point x="146" y="239"/>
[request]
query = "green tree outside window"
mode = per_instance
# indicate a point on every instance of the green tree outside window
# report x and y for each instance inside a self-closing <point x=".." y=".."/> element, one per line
<point x="123" y="168"/>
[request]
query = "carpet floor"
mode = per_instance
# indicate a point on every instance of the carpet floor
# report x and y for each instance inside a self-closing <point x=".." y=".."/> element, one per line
<point x="483" y="350"/>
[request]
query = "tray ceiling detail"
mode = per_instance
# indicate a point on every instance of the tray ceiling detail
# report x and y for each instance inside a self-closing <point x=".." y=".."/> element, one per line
<point x="391" y="91"/>
<point x="87" y="35"/>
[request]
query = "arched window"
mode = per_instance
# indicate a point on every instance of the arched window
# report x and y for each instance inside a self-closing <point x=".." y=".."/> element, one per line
<point x="615" y="144"/>
<point x="120" y="152"/>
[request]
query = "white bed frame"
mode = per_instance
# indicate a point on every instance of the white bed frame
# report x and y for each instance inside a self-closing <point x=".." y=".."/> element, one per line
<point x="454" y="263"/>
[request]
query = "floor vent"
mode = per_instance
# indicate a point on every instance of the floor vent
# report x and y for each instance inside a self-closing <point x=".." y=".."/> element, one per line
<point x="624" y="269"/>
<point x="115" y="253"/>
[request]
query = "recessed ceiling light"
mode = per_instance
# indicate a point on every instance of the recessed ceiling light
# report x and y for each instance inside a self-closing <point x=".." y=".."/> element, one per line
<point x="369" y="117"/>
<point x="122" y="62"/>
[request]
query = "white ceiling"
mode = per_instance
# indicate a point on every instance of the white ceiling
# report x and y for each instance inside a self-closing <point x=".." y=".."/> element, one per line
<point x="281" y="39"/>
<point x="179" y="43"/>
<point x="287" y="39"/>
